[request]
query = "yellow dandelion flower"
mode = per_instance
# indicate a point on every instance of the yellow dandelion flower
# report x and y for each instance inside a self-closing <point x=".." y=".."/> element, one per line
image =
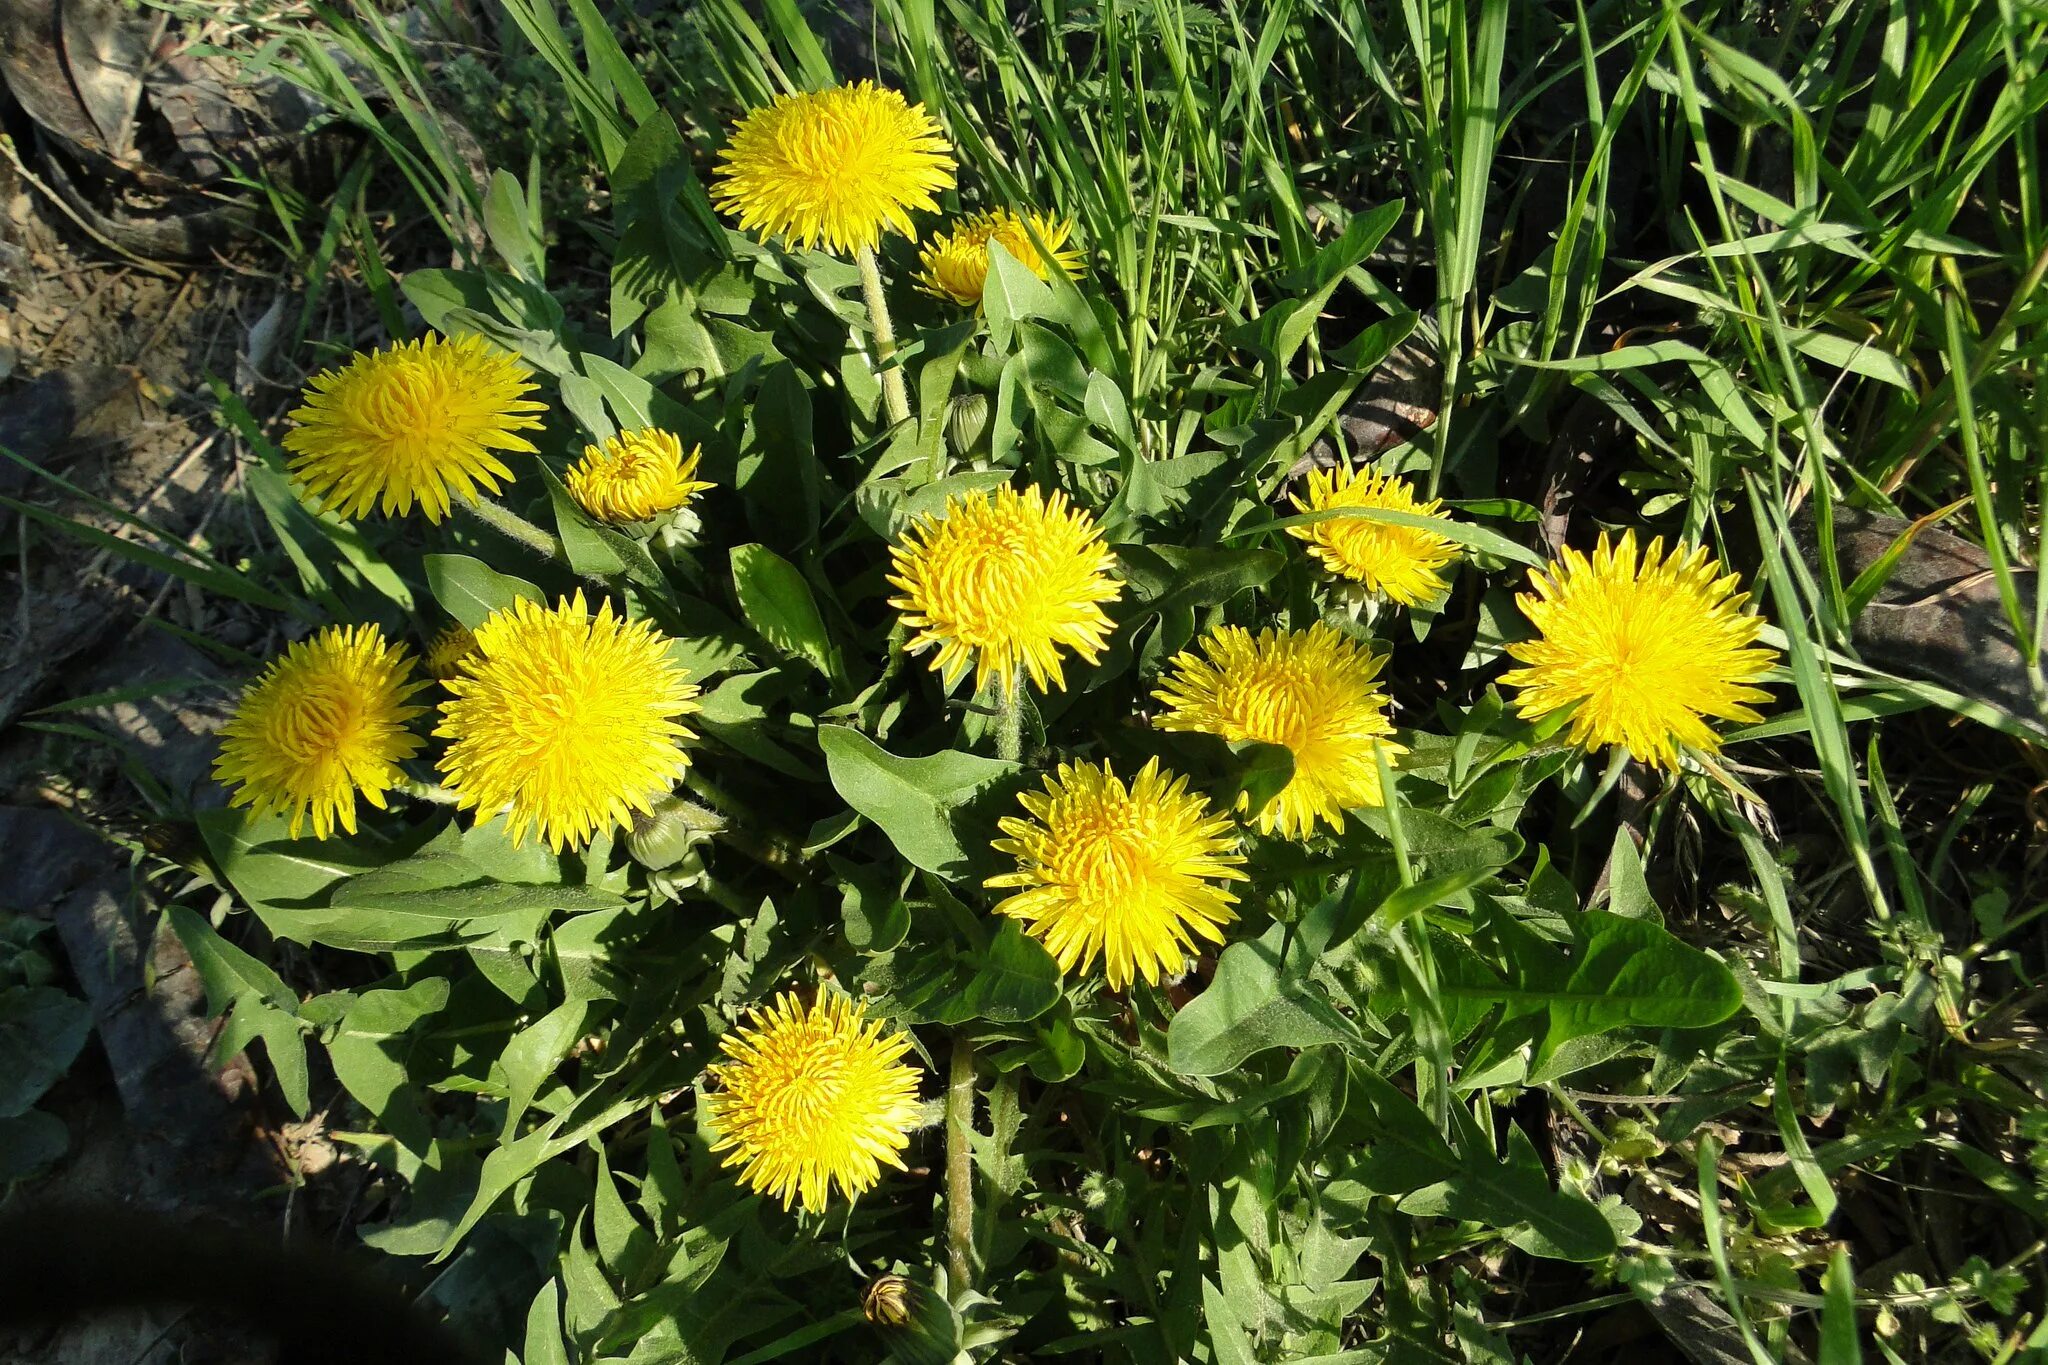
<point x="1642" y="648"/>
<point x="956" y="265"/>
<point x="1311" y="690"/>
<point x="1132" y="875"/>
<point x="447" y="650"/>
<point x="417" y="422"/>
<point x="1003" y="580"/>
<point x="1401" y="563"/>
<point x="839" y="166"/>
<point x="635" y="476"/>
<point x="566" y="720"/>
<point x="812" y="1098"/>
<point x="318" y="726"/>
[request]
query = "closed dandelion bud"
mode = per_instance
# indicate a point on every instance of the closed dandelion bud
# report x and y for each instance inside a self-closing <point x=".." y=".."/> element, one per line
<point x="967" y="424"/>
<point x="888" y="1300"/>
<point x="662" y="836"/>
<point x="921" y="1328"/>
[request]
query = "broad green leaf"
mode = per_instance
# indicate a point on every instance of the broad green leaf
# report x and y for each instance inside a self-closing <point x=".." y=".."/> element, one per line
<point x="532" y="1056"/>
<point x="1443" y="844"/>
<point x="369" y="1057"/>
<point x="544" y="1344"/>
<point x="1255" y="1002"/>
<point x="1158" y="486"/>
<point x="1013" y="293"/>
<point x="1408" y="1154"/>
<point x="917" y="802"/>
<point x="264" y="865"/>
<point x="1628" y="891"/>
<point x="470" y="590"/>
<point x="779" y="474"/>
<point x="1633" y="973"/>
<point x="508" y="222"/>
<point x="435" y="906"/>
<point x="777" y="602"/>
<point x="1017" y="981"/>
<point x="255" y="1000"/>
<point x="507" y="1165"/>
<point x="1166" y="578"/>
<point x="1622" y="973"/>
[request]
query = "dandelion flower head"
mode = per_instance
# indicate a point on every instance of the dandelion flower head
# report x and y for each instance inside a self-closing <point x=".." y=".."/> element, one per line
<point x="634" y="476"/>
<point x="1404" y="564"/>
<point x="320" y="725"/>
<point x="840" y="167"/>
<point x="1005" y="581"/>
<point x="1133" y="875"/>
<point x="1313" y="691"/>
<point x="419" y="422"/>
<point x="956" y="263"/>
<point x="568" y="721"/>
<point x="813" y="1098"/>
<point x="1644" y="648"/>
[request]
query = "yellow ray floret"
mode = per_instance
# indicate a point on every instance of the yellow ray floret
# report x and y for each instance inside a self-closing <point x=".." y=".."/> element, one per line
<point x="1131" y="875"/>
<point x="812" y="1098"/>
<point x="1401" y="563"/>
<point x="1641" y="647"/>
<point x="319" y="725"/>
<point x="419" y="422"/>
<point x="565" y="720"/>
<point x="956" y="263"/>
<point x="1312" y="691"/>
<point x="1005" y="580"/>
<point x="635" y="476"/>
<point x="839" y="166"/>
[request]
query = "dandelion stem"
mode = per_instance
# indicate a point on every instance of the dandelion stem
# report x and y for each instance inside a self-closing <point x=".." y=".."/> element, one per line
<point x="512" y="526"/>
<point x="960" y="1167"/>
<point x="894" y="396"/>
<point x="1009" y="727"/>
<point x="733" y="822"/>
